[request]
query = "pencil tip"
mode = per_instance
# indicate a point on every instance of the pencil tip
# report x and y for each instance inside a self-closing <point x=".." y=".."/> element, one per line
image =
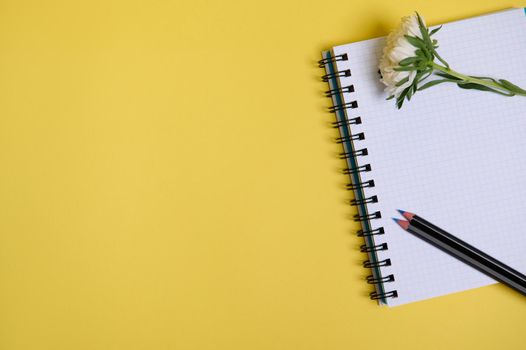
<point x="409" y="216"/>
<point x="403" y="224"/>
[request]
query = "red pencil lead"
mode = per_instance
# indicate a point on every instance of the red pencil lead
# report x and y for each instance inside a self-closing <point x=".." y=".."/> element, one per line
<point x="403" y="224"/>
<point x="409" y="216"/>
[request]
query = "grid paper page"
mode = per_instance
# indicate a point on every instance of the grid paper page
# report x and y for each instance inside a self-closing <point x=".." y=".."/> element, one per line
<point x="456" y="157"/>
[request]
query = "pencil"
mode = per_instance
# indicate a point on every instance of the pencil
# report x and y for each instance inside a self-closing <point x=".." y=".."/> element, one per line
<point x="463" y="251"/>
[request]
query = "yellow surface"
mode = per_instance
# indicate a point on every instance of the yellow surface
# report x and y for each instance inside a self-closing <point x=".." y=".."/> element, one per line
<point x="169" y="182"/>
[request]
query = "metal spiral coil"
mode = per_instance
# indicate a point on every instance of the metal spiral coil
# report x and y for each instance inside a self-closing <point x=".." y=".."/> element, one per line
<point x="329" y="76"/>
<point x="339" y="90"/>
<point x="344" y="122"/>
<point x="323" y="62"/>
<point x="373" y="216"/>
<point x="341" y="107"/>
<point x="357" y="186"/>
<point x="372" y="199"/>
<point x="370" y="264"/>
<point x="344" y="139"/>
<point x="360" y="152"/>
<point x="361" y="169"/>
<point x="378" y="231"/>
<point x="385" y="295"/>
<point x="375" y="248"/>
<point x="372" y="280"/>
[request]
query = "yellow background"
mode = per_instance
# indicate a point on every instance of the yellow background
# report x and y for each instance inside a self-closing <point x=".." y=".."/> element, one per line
<point x="168" y="181"/>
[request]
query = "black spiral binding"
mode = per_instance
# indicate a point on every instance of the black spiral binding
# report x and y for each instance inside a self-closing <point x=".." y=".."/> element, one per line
<point x="339" y="90"/>
<point x="354" y="170"/>
<point x="324" y="61"/>
<point x="369" y="264"/>
<point x="347" y="122"/>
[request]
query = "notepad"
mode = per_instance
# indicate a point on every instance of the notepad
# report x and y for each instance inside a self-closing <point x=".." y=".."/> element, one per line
<point x="455" y="156"/>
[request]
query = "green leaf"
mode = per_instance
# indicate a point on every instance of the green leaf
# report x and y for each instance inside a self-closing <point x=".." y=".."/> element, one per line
<point x="435" y="30"/>
<point x="422" y="65"/>
<point x="433" y="83"/>
<point x="404" y="69"/>
<point x="390" y="98"/>
<point x="431" y="45"/>
<point x="512" y="87"/>
<point x="441" y="59"/>
<point x="424" y="55"/>
<point x="448" y="76"/>
<point x="403" y="81"/>
<point x="407" y="61"/>
<point x="425" y="75"/>
<point x="416" y="42"/>
<point x="424" y="32"/>
<point x="404" y="93"/>
<point x="473" y="86"/>
<point x="484" y="78"/>
<point x="418" y="76"/>
<point x="420" y="54"/>
<point x="412" y="91"/>
<point x="400" y="100"/>
<point x="399" y="103"/>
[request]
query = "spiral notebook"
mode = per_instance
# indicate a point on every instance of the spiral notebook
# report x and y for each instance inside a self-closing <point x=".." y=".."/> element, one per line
<point x="455" y="156"/>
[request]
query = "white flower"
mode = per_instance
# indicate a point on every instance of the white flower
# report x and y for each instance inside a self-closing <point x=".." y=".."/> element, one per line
<point x="409" y="59"/>
<point x="396" y="49"/>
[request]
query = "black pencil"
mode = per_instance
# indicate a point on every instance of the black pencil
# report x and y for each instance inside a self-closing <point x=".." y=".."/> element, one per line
<point x="463" y="251"/>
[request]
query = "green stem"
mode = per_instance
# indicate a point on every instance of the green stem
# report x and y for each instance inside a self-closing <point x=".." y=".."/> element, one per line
<point x="469" y="79"/>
